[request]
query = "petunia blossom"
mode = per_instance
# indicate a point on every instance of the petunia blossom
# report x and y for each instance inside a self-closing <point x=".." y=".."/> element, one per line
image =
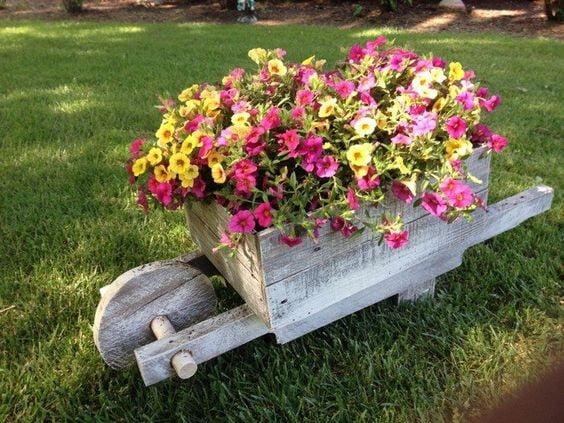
<point x="433" y="203"/>
<point x="397" y="240"/>
<point x="241" y="222"/>
<point x="402" y="192"/>
<point x="263" y="214"/>
<point x="497" y="143"/>
<point x="290" y="241"/>
<point x="456" y="127"/>
<point x="326" y="167"/>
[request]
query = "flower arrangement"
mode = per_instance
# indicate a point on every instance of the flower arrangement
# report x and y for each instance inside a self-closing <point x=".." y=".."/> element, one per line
<point x="295" y="147"/>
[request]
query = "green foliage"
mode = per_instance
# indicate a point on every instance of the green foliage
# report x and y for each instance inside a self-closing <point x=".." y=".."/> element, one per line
<point x="74" y="94"/>
<point x="73" y="6"/>
<point x="554" y="9"/>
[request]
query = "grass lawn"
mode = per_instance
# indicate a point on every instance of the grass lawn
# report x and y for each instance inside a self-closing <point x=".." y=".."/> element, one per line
<point x="72" y="96"/>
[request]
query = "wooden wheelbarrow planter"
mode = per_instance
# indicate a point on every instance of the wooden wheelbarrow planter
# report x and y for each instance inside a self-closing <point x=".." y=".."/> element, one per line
<point x="288" y="292"/>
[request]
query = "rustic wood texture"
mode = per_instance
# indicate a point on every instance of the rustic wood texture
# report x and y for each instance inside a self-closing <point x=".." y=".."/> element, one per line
<point x="204" y="340"/>
<point x="261" y="262"/>
<point x="361" y="287"/>
<point x="171" y="288"/>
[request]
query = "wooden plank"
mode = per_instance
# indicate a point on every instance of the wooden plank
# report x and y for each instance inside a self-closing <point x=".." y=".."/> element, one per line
<point x="235" y="272"/>
<point x="204" y="341"/>
<point x="387" y="288"/>
<point x="123" y="317"/>
<point x="420" y="290"/>
<point x="315" y="288"/>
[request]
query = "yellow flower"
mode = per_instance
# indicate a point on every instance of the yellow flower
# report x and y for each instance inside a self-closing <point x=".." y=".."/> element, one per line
<point x="399" y="164"/>
<point x="179" y="163"/>
<point x="189" y="108"/>
<point x="139" y="166"/>
<point x="165" y="134"/>
<point x="359" y="171"/>
<point x="239" y="119"/>
<point x="155" y="156"/>
<point x="439" y="104"/>
<point x="308" y="61"/>
<point x="360" y="154"/>
<point x="189" y="144"/>
<point x="188" y="93"/>
<point x="240" y="131"/>
<point x="162" y="174"/>
<point x="364" y="126"/>
<point x="257" y="55"/>
<point x="456" y="72"/>
<point x="328" y="107"/>
<point x="214" y="157"/>
<point x="212" y="103"/>
<point x="218" y="174"/>
<point x="276" y="67"/>
<point x="187" y="178"/>
<point x="456" y="149"/>
<point x="437" y="75"/>
<point x="186" y="182"/>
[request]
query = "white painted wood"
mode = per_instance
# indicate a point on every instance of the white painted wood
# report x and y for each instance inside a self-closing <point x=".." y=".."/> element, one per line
<point x="173" y="288"/>
<point x="204" y="340"/>
<point x="418" y="291"/>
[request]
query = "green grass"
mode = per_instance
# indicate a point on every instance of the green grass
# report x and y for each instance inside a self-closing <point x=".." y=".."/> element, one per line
<point x="71" y="98"/>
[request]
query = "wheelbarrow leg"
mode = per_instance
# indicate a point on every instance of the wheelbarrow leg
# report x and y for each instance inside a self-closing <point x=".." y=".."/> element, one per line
<point x="418" y="291"/>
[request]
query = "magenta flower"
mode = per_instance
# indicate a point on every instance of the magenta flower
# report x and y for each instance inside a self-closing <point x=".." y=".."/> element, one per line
<point x="451" y="186"/>
<point x="271" y="120"/>
<point x="136" y="146"/>
<point x="193" y="124"/>
<point x="491" y="104"/>
<point x="366" y="83"/>
<point x="304" y="97"/>
<point x="142" y="200"/>
<point x="326" y="167"/>
<point x="348" y="230"/>
<point x="367" y="99"/>
<point x="199" y="188"/>
<point x="461" y="198"/>
<point x="312" y="148"/>
<point x="337" y="223"/>
<point x="481" y="134"/>
<point x="163" y="193"/>
<point x="456" y="127"/>
<point x="244" y="185"/>
<point x="255" y="143"/>
<point x="356" y="53"/>
<point x="466" y="98"/>
<point x="352" y="200"/>
<point x="242" y="222"/>
<point x="263" y="214"/>
<point x="401" y="139"/>
<point x="397" y="240"/>
<point x="497" y="143"/>
<point x="371" y="46"/>
<point x="344" y="88"/>
<point x="289" y="141"/>
<point x="297" y="113"/>
<point x="369" y="181"/>
<point x="402" y="192"/>
<point x="290" y="241"/>
<point x="433" y="203"/>
<point x="244" y="167"/>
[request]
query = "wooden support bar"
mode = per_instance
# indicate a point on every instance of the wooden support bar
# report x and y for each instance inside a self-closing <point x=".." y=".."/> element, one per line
<point x="204" y="340"/>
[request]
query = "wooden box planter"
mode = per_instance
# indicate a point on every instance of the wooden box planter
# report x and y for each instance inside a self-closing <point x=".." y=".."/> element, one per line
<point x="284" y="285"/>
<point x="287" y="291"/>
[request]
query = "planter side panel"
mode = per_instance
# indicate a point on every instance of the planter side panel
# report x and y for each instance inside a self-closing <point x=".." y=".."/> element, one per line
<point x="243" y="271"/>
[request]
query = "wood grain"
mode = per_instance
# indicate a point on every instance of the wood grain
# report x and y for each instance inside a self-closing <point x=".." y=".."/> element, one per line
<point x="171" y="288"/>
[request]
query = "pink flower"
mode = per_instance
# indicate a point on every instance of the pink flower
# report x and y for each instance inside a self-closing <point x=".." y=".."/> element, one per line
<point x="228" y="96"/>
<point x="136" y="146"/>
<point x="461" y="198"/>
<point x="224" y="240"/>
<point x="481" y="134"/>
<point x="255" y="143"/>
<point x="397" y="240"/>
<point x="491" y="104"/>
<point x="290" y="241"/>
<point x="482" y="92"/>
<point x="337" y="223"/>
<point x="207" y="145"/>
<point x="367" y="99"/>
<point x="366" y="83"/>
<point x="424" y="123"/>
<point x="237" y="73"/>
<point x="433" y="203"/>
<point x="466" y="99"/>
<point x="402" y="192"/>
<point x="244" y="185"/>
<point x="348" y="230"/>
<point x="297" y="113"/>
<point x="193" y="124"/>
<point x="271" y="120"/>
<point x="438" y="62"/>
<point x="240" y="106"/>
<point x="401" y="139"/>
<point x="371" y="46"/>
<point x="456" y="127"/>
<point x="242" y="222"/>
<point x="280" y="53"/>
<point x="497" y="143"/>
<point x="352" y="200"/>
<point x="326" y="167"/>
<point x="289" y="141"/>
<point x="344" y="88"/>
<point x="263" y="214"/>
<point x="244" y="167"/>
<point x="199" y="188"/>
<point x="312" y="148"/>
<point x="451" y="186"/>
<point x="304" y="97"/>
<point x="356" y="53"/>
<point x="369" y="181"/>
<point x="163" y="193"/>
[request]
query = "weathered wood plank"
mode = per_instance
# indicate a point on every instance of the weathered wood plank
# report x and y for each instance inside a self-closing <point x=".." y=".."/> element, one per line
<point x="419" y="290"/>
<point x="172" y="288"/>
<point x="315" y="288"/>
<point x="387" y="288"/>
<point x="204" y="341"/>
<point x="234" y="271"/>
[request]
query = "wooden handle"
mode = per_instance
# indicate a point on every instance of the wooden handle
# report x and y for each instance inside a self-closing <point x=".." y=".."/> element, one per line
<point x="182" y="362"/>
